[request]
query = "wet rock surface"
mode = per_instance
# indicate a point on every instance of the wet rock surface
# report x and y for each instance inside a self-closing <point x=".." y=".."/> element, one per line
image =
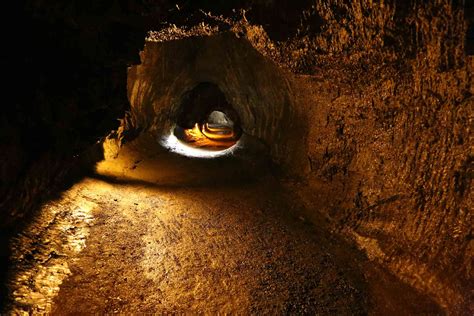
<point x="167" y="242"/>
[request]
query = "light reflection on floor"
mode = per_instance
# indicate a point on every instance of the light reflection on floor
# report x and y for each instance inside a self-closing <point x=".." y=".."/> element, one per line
<point x="60" y="231"/>
<point x="155" y="233"/>
<point x="173" y="144"/>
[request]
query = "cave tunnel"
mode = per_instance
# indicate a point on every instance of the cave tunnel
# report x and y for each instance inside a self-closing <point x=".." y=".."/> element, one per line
<point x="246" y="157"/>
<point x="198" y="104"/>
<point x="206" y="120"/>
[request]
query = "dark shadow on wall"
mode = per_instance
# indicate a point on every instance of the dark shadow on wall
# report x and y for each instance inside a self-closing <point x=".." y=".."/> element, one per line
<point x="469" y="16"/>
<point x="470" y="38"/>
<point x="66" y="70"/>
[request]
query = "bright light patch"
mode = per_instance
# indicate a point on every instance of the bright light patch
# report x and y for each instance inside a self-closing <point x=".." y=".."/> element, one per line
<point x="172" y="143"/>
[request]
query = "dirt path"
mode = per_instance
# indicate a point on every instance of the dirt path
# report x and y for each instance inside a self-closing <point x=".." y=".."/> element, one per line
<point x="151" y="232"/>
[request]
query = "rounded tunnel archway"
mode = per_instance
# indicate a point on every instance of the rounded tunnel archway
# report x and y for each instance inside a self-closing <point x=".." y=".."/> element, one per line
<point x="206" y="120"/>
<point x="198" y="104"/>
<point x="219" y="73"/>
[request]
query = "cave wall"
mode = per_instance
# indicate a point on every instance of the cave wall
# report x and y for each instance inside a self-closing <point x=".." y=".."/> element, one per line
<point x="390" y="143"/>
<point x="66" y="88"/>
<point x="386" y="87"/>
<point x="392" y="168"/>
<point x="260" y="92"/>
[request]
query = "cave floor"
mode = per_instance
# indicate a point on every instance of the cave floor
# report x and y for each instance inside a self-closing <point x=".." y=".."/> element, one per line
<point x="151" y="232"/>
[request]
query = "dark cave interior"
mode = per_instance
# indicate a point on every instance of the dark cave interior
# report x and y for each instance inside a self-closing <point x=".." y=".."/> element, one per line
<point x="200" y="102"/>
<point x="206" y="120"/>
<point x="330" y="147"/>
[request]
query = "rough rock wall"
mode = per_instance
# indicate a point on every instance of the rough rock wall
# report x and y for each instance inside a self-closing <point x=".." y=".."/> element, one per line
<point x="391" y="145"/>
<point x="259" y="91"/>
<point x="390" y="97"/>
<point x="393" y="168"/>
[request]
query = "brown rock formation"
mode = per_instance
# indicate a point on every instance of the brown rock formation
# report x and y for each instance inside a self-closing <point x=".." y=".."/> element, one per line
<point x="369" y="104"/>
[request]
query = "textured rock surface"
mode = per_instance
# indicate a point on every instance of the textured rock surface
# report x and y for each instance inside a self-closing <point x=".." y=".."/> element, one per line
<point x="390" y="142"/>
<point x="381" y="111"/>
<point x="152" y="232"/>
<point x="392" y="167"/>
<point x="259" y="92"/>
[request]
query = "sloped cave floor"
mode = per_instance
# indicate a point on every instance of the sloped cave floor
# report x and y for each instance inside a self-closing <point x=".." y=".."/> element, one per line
<point x="154" y="232"/>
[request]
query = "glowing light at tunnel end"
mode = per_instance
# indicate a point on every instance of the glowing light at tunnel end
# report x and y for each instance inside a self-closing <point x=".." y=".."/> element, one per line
<point x="173" y="144"/>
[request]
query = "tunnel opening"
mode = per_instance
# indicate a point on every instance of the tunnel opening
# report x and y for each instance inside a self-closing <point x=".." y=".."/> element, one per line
<point x="207" y="126"/>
